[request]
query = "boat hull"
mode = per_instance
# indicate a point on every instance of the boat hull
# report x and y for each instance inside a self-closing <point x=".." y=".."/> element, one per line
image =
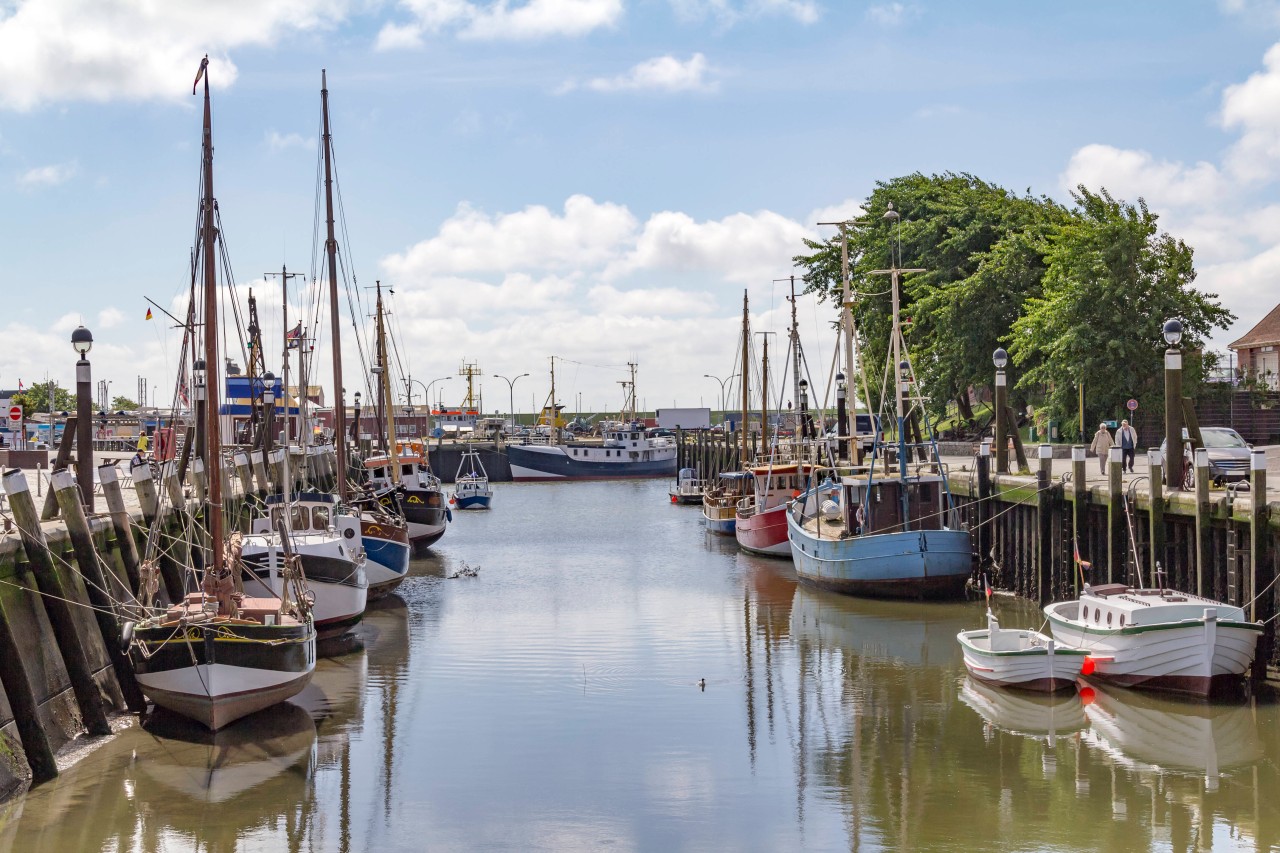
<point x="218" y="675"/>
<point x="462" y="501"/>
<point x="911" y="564"/>
<point x="386" y="549"/>
<point x="551" y="462"/>
<point x="764" y="532"/>
<point x="425" y="514"/>
<point x="1199" y="657"/>
<point x="340" y="587"/>
<point x="1046" y="668"/>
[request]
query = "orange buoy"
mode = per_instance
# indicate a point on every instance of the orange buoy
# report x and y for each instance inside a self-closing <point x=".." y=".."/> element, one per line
<point x="1088" y="667"/>
<point x="1086" y="695"/>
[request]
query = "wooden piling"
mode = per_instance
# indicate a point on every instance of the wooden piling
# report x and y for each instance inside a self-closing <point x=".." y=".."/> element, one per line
<point x="121" y="524"/>
<point x="257" y="462"/>
<point x="1044" y="525"/>
<point x="1079" y="511"/>
<point x="60" y="463"/>
<point x="23" y="704"/>
<point x="983" y="520"/>
<point x="1157" y="556"/>
<point x="144" y="485"/>
<point x="244" y="472"/>
<point x="1115" y="517"/>
<point x="68" y="495"/>
<point x="57" y="604"/>
<point x="1204" y="555"/>
<point x="1257" y="528"/>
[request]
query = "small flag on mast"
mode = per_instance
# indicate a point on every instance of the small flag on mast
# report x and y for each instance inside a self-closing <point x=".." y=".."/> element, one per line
<point x="293" y="337"/>
<point x="148" y="313"/>
<point x="204" y="63"/>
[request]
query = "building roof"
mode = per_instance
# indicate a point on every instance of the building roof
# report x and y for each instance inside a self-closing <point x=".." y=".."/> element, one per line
<point x="1266" y="332"/>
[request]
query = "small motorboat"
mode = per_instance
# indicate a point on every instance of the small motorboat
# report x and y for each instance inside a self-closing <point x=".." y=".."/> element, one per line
<point x="471" y="490"/>
<point x="1020" y="657"/>
<point x="688" y="488"/>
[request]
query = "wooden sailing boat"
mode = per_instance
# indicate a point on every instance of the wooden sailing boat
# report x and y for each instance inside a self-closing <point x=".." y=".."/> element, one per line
<point x="887" y="533"/>
<point x="218" y="655"/>
<point x="720" y="498"/>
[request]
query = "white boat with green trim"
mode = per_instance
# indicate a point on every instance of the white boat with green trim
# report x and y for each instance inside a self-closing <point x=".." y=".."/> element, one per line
<point x="1019" y="657"/>
<point x="1158" y="639"/>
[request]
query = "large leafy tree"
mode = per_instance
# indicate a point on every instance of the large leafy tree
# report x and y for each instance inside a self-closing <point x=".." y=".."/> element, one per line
<point x="120" y="402"/>
<point x="978" y="244"/>
<point x="36" y="398"/>
<point x="1110" y="280"/>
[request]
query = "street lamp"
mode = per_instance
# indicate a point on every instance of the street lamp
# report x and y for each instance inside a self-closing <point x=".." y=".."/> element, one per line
<point x="511" y="395"/>
<point x="722" y="384"/>
<point x="430" y="385"/>
<point x="269" y="410"/>
<point x="1000" y="358"/>
<point x="1175" y="462"/>
<point x="82" y="342"/>
<point x="842" y="416"/>
<point x="804" y="409"/>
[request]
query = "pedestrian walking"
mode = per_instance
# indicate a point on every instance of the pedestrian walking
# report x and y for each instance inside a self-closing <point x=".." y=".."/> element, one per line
<point x="1127" y="438"/>
<point x="1101" y="446"/>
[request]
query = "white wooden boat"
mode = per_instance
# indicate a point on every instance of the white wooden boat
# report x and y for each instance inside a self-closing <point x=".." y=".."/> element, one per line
<point x="1157" y="638"/>
<point x="1019" y="657"/>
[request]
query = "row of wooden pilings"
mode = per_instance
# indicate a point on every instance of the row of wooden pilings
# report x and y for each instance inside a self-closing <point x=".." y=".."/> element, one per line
<point x="83" y="578"/>
<point x="1041" y="538"/>
<point x="709" y="453"/>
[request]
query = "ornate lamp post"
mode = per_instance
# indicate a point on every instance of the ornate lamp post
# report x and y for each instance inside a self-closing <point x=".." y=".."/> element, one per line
<point x="842" y="416"/>
<point x="82" y="342"/>
<point x="1000" y="358"/>
<point x="1175" y="462"/>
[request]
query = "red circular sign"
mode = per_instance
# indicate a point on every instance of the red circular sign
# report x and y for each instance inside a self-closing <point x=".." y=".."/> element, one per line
<point x="1132" y="405"/>
<point x="15" y="413"/>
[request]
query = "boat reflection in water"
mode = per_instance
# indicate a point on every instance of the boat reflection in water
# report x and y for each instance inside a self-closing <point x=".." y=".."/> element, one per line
<point x="1035" y="715"/>
<point x="1163" y="735"/>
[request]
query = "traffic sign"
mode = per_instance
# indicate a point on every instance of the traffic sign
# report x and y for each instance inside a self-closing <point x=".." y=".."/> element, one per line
<point x="15" y="414"/>
<point x="1132" y="405"/>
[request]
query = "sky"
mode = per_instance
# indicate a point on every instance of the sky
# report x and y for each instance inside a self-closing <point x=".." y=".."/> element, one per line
<point x="595" y="180"/>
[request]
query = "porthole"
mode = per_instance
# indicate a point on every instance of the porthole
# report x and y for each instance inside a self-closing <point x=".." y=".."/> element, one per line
<point x="1121" y="620"/>
<point x="1108" y="620"/>
<point x="1097" y="616"/>
<point x="1085" y="617"/>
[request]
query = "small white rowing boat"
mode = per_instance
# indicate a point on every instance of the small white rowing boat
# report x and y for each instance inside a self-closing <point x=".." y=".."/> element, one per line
<point x="1019" y="657"/>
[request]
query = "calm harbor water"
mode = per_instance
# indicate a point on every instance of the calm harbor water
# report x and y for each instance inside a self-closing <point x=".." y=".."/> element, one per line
<point x="553" y="703"/>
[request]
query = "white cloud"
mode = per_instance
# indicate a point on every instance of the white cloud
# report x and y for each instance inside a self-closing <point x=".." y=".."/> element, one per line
<point x="850" y="208"/>
<point x="730" y="12"/>
<point x="48" y="176"/>
<point x="1253" y="108"/>
<point x="891" y="14"/>
<point x="109" y="318"/>
<point x="650" y="302"/>
<point x="277" y="141"/>
<point x="499" y="20"/>
<point x="58" y="50"/>
<point x="660" y="74"/>
<point x="1131" y="174"/>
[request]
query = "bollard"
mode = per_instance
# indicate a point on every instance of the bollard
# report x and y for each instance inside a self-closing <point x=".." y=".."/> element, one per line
<point x="109" y="477"/>
<point x="1116" y="544"/>
<point x="68" y="495"/>
<point x="1155" y="516"/>
<point x="1044" y="525"/>
<point x="1204" y="518"/>
<point x="57" y="605"/>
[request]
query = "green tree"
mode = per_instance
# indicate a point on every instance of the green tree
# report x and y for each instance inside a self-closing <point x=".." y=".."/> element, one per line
<point x="36" y="398"/>
<point x="1111" y="279"/>
<point x="121" y="402"/>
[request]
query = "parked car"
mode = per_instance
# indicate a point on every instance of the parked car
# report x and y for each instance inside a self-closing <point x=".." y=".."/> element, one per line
<point x="1228" y="456"/>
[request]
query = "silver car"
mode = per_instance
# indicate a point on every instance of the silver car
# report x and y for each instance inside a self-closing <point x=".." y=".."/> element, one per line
<point x="1228" y="456"/>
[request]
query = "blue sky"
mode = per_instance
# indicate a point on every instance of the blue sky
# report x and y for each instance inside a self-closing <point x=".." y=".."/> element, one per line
<point x="593" y="179"/>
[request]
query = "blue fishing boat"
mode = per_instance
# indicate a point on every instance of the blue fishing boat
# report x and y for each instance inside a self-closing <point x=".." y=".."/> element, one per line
<point x="471" y="490"/>
<point x="720" y="503"/>
<point x="887" y="528"/>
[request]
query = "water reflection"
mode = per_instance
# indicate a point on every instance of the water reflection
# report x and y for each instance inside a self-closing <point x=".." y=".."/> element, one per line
<point x="1035" y="715"/>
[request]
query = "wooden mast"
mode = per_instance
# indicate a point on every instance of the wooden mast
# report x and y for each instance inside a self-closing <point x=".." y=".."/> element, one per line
<point x="764" y="395"/>
<point x="213" y="365"/>
<point x="746" y="375"/>
<point x="331" y="249"/>
<point x="384" y="390"/>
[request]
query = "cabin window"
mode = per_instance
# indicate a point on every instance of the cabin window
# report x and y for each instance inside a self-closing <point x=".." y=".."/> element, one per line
<point x="1097" y="615"/>
<point x="299" y="516"/>
<point x="406" y="469"/>
<point x="1085" y="614"/>
<point x="320" y="518"/>
<point x="926" y="492"/>
<point x="1109" y="620"/>
<point x="379" y="472"/>
<point x="1121" y="620"/>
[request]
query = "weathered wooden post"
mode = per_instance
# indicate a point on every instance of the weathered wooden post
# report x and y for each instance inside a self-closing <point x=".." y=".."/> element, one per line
<point x="1204" y="516"/>
<point x="243" y="471"/>
<point x="64" y="486"/>
<point x="1115" y="515"/>
<point x="257" y="461"/>
<point x="57" y="605"/>
<point x="1044" y="525"/>
<point x="22" y="702"/>
<point x="983" y="520"/>
<point x="145" y="486"/>
<point x="1079" y="511"/>
<point x="60" y="463"/>
<point x="1155" y="517"/>
<point x="1257" y="528"/>
<point x="121" y="524"/>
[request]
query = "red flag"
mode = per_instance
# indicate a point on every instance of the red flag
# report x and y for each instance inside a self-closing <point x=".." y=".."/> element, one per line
<point x="204" y="63"/>
<point x="148" y="313"/>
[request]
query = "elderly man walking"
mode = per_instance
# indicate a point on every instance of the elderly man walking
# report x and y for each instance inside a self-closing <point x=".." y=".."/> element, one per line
<point x="1101" y="446"/>
<point x="1127" y="438"/>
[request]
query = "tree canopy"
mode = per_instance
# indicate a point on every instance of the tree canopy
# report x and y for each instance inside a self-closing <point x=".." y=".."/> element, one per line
<point x="36" y="398"/>
<point x="1073" y="293"/>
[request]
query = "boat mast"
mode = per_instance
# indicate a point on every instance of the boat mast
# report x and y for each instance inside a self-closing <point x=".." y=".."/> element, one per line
<point x="213" y="365"/>
<point x="331" y="249"/>
<point x="746" y="373"/>
<point x="798" y="426"/>
<point x="555" y="434"/>
<point x="286" y="475"/>
<point x="764" y="395"/>
<point x="384" y="391"/>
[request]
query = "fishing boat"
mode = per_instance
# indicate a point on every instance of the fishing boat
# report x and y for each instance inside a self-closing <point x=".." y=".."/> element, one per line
<point x="1157" y="639"/>
<point x="1019" y="657"/>
<point x="688" y="487"/>
<point x="471" y="490"/>
<point x="216" y="655"/>
<point x="626" y="451"/>
<point x="892" y="529"/>
<point x="384" y="533"/>
<point x="720" y="502"/>
<point x="761" y="517"/>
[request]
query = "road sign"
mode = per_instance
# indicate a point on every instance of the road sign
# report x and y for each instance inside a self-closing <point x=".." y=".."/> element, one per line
<point x="15" y="414"/>
<point x="1132" y="405"/>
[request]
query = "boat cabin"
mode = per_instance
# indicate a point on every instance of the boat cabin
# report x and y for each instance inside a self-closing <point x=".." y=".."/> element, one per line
<point x="892" y="504"/>
<point x="1116" y="605"/>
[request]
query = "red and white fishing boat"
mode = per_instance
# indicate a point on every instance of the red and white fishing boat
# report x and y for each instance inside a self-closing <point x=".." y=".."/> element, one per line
<point x="761" y="519"/>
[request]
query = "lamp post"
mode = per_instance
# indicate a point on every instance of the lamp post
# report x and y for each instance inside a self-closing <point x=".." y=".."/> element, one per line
<point x="804" y="409"/>
<point x="269" y="410"/>
<point x="842" y="417"/>
<point x="722" y="382"/>
<point x="1000" y="358"/>
<point x="82" y="342"/>
<point x="430" y="385"/>
<point x="1175" y="463"/>
<point x="511" y="395"/>
<point x="355" y="421"/>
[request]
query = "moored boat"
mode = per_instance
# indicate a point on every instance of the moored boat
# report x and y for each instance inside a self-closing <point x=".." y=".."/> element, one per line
<point x="761" y="518"/>
<point x="688" y="487"/>
<point x="1019" y="657"/>
<point x="720" y="503"/>
<point x="626" y="452"/>
<point x="1157" y="639"/>
<point x="471" y="490"/>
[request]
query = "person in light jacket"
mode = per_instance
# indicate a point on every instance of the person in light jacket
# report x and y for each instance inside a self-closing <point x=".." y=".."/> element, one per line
<point x="1101" y="446"/>
<point x="1127" y="438"/>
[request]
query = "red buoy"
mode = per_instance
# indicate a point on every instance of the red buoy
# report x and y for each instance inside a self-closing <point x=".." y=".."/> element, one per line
<point x="1086" y="695"/>
<point x="1088" y="667"/>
